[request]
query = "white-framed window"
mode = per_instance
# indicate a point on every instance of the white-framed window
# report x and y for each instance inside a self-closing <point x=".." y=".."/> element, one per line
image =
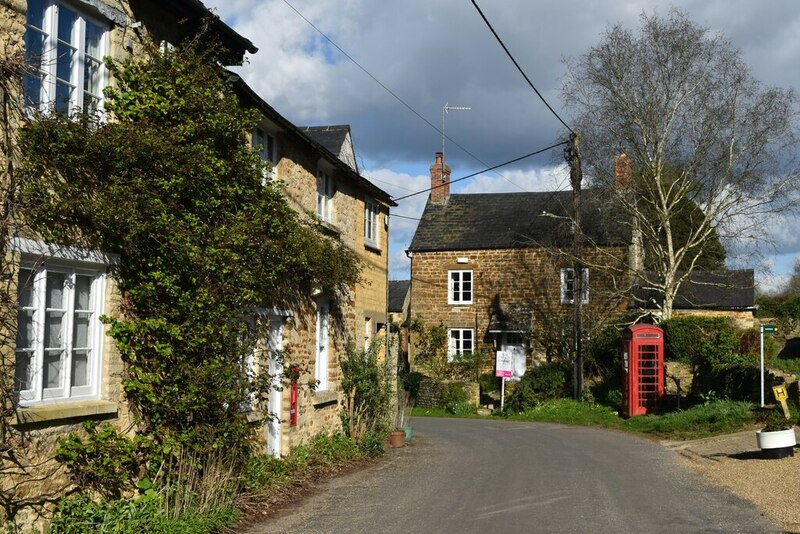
<point x="568" y="286"/>
<point x="459" y="287"/>
<point x="324" y="195"/>
<point x="267" y="147"/>
<point x="367" y="332"/>
<point x="323" y="342"/>
<point x="371" y="214"/>
<point x="59" y="333"/>
<point x="66" y="48"/>
<point x="460" y="341"/>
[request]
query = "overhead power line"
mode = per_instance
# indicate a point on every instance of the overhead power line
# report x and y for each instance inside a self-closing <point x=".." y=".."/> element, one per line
<point x="394" y="95"/>
<point x="535" y="90"/>
<point x="509" y="162"/>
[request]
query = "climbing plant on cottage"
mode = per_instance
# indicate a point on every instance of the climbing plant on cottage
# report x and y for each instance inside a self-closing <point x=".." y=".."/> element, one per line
<point x="168" y="182"/>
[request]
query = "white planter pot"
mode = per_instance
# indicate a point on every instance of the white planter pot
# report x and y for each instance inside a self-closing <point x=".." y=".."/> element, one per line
<point x="777" y="439"/>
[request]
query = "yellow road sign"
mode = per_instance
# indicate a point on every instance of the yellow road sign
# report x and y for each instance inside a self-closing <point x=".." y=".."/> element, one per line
<point x="780" y="393"/>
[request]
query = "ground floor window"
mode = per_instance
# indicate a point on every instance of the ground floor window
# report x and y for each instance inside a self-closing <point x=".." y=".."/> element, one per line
<point x="461" y="342"/>
<point x="59" y="333"/>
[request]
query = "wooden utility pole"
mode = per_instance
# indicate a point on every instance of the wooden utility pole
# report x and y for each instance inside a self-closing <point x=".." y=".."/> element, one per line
<point x="572" y="155"/>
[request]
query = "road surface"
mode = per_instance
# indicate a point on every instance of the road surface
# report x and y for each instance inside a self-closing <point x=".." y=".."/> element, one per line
<point x="471" y="475"/>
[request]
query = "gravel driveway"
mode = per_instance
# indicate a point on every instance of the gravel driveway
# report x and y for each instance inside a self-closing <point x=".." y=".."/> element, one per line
<point x="734" y="463"/>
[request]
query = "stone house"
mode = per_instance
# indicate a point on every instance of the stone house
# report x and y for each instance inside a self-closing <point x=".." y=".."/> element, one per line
<point x="64" y="369"/>
<point x="497" y="272"/>
<point x="317" y="168"/>
<point x="63" y="290"/>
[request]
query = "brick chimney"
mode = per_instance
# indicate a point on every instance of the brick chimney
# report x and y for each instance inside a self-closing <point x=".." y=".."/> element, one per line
<point x="623" y="171"/>
<point x="440" y="180"/>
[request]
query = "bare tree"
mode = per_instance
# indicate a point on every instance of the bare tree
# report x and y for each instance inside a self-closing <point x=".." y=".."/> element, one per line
<point x="699" y="130"/>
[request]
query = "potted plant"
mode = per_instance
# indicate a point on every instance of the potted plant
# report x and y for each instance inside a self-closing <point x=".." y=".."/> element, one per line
<point x="402" y="421"/>
<point x="777" y="439"/>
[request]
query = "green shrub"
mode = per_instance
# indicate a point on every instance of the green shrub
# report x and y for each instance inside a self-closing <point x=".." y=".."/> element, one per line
<point x="453" y="393"/>
<point x="411" y="382"/>
<point x="107" y="462"/>
<point x="602" y="358"/>
<point x="367" y="393"/>
<point x="700" y="341"/>
<point x="79" y="515"/>
<point x="737" y="381"/>
<point x="488" y="383"/>
<point x="543" y="382"/>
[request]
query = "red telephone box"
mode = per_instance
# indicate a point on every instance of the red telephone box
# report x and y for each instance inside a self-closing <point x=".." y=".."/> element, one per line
<point x="642" y="369"/>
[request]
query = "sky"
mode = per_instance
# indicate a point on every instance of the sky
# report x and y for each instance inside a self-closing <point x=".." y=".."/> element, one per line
<point x="399" y="63"/>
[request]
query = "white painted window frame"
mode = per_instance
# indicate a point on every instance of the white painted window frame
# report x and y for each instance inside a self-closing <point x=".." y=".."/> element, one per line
<point x="372" y="212"/>
<point x="324" y="195"/>
<point x="267" y="146"/>
<point x="38" y="394"/>
<point x="456" y="294"/>
<point x="48" y="63"/>
<point x="567" y="293"/>
<point x="456" y="341"/>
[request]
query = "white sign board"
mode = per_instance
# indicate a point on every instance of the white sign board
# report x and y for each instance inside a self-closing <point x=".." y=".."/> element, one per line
<point x="504" y="364"/>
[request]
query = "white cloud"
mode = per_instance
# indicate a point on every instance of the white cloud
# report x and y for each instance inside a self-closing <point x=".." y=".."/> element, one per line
<point x="428" y="53"/>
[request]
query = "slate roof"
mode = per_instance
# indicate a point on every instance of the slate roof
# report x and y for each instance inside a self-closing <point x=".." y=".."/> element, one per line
<point x="721" y="290"/>
<point x="332" y="138"/>
<point x="516" y="220"/>
<point x="398" y="289"/>
<point x="251" y="97"/>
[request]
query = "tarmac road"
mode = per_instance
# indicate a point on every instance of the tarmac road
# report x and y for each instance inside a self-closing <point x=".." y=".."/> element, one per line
<point x="471" y="475"/>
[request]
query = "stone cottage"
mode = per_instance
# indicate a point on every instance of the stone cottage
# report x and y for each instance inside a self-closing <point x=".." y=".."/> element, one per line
<point x="497" y="271"/>
<point x="63" y="370"/>
<point x="317" y="168"/>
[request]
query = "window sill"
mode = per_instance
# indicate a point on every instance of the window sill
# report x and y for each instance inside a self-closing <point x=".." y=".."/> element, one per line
<point x="323" y="398"/>
<point x="68" y="410"/>
<point x="330" y="228"/>
<point x="372" y="245"/>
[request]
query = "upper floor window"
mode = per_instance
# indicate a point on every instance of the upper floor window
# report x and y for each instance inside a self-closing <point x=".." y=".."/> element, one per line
<point x="568" y="286"/>
<point x="59" y="333"/>
<point x="266" y="146"/>
<point x="324" y="196"/>
<point x="459" y="290"/>
<point x="460" y="342"/>
<point x="65" y="48"/>
<point x="371" y="213"/>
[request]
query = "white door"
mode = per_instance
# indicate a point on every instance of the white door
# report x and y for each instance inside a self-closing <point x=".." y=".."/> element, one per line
<point x="275" y="395"/>
<point x="514" y="345"/>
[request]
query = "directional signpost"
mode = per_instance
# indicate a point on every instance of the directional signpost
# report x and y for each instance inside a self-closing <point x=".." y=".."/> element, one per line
<point x="765" y="329"/>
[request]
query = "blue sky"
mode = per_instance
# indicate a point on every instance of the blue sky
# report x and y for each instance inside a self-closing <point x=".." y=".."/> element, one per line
<point x="432" y="53"/>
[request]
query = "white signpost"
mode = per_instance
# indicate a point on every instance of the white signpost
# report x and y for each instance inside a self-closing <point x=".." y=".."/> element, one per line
<point x="765" y="329"/>
<point x="504" y="368"/>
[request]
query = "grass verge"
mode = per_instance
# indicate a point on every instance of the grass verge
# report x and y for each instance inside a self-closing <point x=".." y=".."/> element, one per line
<point x="709" y="419"/>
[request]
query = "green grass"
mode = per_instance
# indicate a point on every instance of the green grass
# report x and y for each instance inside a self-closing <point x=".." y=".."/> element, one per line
<point x="712" y="418"/>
